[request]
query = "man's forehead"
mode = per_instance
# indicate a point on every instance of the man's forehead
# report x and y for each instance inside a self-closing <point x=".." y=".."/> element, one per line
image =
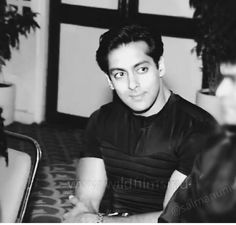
<point x="228" y="69"/>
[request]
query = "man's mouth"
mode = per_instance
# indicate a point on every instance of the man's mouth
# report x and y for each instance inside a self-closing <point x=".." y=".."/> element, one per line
<point x="137" y="96"/>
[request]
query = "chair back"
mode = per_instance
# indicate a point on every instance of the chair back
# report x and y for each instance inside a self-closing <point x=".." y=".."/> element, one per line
<point x="16" y="178"/>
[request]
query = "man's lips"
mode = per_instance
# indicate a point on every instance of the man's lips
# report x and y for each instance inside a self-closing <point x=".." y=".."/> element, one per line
<point x="137" y="96"/>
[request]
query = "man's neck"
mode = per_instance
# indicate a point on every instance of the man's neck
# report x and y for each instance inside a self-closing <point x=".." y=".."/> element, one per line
<point x="159" y="103"/>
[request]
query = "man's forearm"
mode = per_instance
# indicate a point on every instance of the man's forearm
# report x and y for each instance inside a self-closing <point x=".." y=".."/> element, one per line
<point x="138" y="218"/>
<point x="85" y="205"/>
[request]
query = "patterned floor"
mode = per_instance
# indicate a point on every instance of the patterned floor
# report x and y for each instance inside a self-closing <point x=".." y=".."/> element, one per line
<point x="49" y="200"/>
<point x="55" y="179"/>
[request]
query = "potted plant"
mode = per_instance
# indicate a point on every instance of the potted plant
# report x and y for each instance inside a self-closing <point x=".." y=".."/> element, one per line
<point x="208" y="15"/>
<point x="12" y="25"/>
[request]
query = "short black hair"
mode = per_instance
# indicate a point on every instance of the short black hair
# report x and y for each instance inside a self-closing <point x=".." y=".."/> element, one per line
<point x="125" y="34"/>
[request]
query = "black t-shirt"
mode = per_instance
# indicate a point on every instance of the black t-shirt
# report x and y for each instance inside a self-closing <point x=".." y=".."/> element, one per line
<point x="140" y="153"/>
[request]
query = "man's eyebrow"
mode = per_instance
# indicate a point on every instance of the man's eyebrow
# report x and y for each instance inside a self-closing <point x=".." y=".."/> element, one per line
<point x="140" y="63"/>
<point x="116" y="68"/>
<point x="121" y="69"/>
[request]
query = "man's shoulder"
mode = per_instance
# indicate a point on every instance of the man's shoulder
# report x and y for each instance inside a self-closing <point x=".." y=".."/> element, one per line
<point x="110" y="111"/>
<point x="108" y="119"/>
<point x="193" y="111"/>
<point x="112" y="108"/>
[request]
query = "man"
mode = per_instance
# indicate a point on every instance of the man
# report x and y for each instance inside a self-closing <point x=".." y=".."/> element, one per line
<point x="209" y="193"/>
<point x="139" y="142"/>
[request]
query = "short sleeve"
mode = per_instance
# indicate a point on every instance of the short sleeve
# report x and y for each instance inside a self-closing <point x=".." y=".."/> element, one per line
<point x="90" y="140"/>
<point x="192" y="144"/>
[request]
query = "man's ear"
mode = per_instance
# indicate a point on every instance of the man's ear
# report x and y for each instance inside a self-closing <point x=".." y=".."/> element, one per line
<point x="161" y="66"/>
<point x="109" y="82"/>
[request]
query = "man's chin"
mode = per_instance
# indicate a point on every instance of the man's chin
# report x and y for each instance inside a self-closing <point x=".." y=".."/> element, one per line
<point x="139" y="108"/>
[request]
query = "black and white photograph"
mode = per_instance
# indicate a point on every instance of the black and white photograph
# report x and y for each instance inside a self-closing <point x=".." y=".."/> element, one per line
<point x="117" y="111"/>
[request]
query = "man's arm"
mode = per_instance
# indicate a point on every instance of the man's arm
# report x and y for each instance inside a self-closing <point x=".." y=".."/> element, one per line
<point x="175" y="181"/>
<point x="92" y="181"/>
<point x="91" y="200"/>
<point x="90" y="186"/>
<point x="152" y="217"/>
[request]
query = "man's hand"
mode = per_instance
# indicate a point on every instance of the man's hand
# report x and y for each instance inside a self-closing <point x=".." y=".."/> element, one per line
<point x="78" y="208"/>
<point x="82" y="218"/>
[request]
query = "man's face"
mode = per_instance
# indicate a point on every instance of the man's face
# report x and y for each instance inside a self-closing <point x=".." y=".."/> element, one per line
<point x="227" y="93"/>
<point x="135" y="77"/>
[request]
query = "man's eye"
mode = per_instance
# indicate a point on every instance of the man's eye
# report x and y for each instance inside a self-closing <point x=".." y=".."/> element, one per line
<point x="118" y="75"/>
<point x="142" y="70"/>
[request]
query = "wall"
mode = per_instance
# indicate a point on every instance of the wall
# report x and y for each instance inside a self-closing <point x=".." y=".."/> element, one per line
<point x="28" y="67"/>
<point x="79" y="75"/>
<point x="183" y="74"/>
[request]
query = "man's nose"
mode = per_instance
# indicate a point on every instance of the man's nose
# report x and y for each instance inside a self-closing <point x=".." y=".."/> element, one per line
<point x="133" y="82"/>
<point x="225" y="88"/>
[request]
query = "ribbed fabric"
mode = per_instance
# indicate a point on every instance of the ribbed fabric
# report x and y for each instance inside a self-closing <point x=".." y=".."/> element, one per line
<point x="142" y="186"/>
